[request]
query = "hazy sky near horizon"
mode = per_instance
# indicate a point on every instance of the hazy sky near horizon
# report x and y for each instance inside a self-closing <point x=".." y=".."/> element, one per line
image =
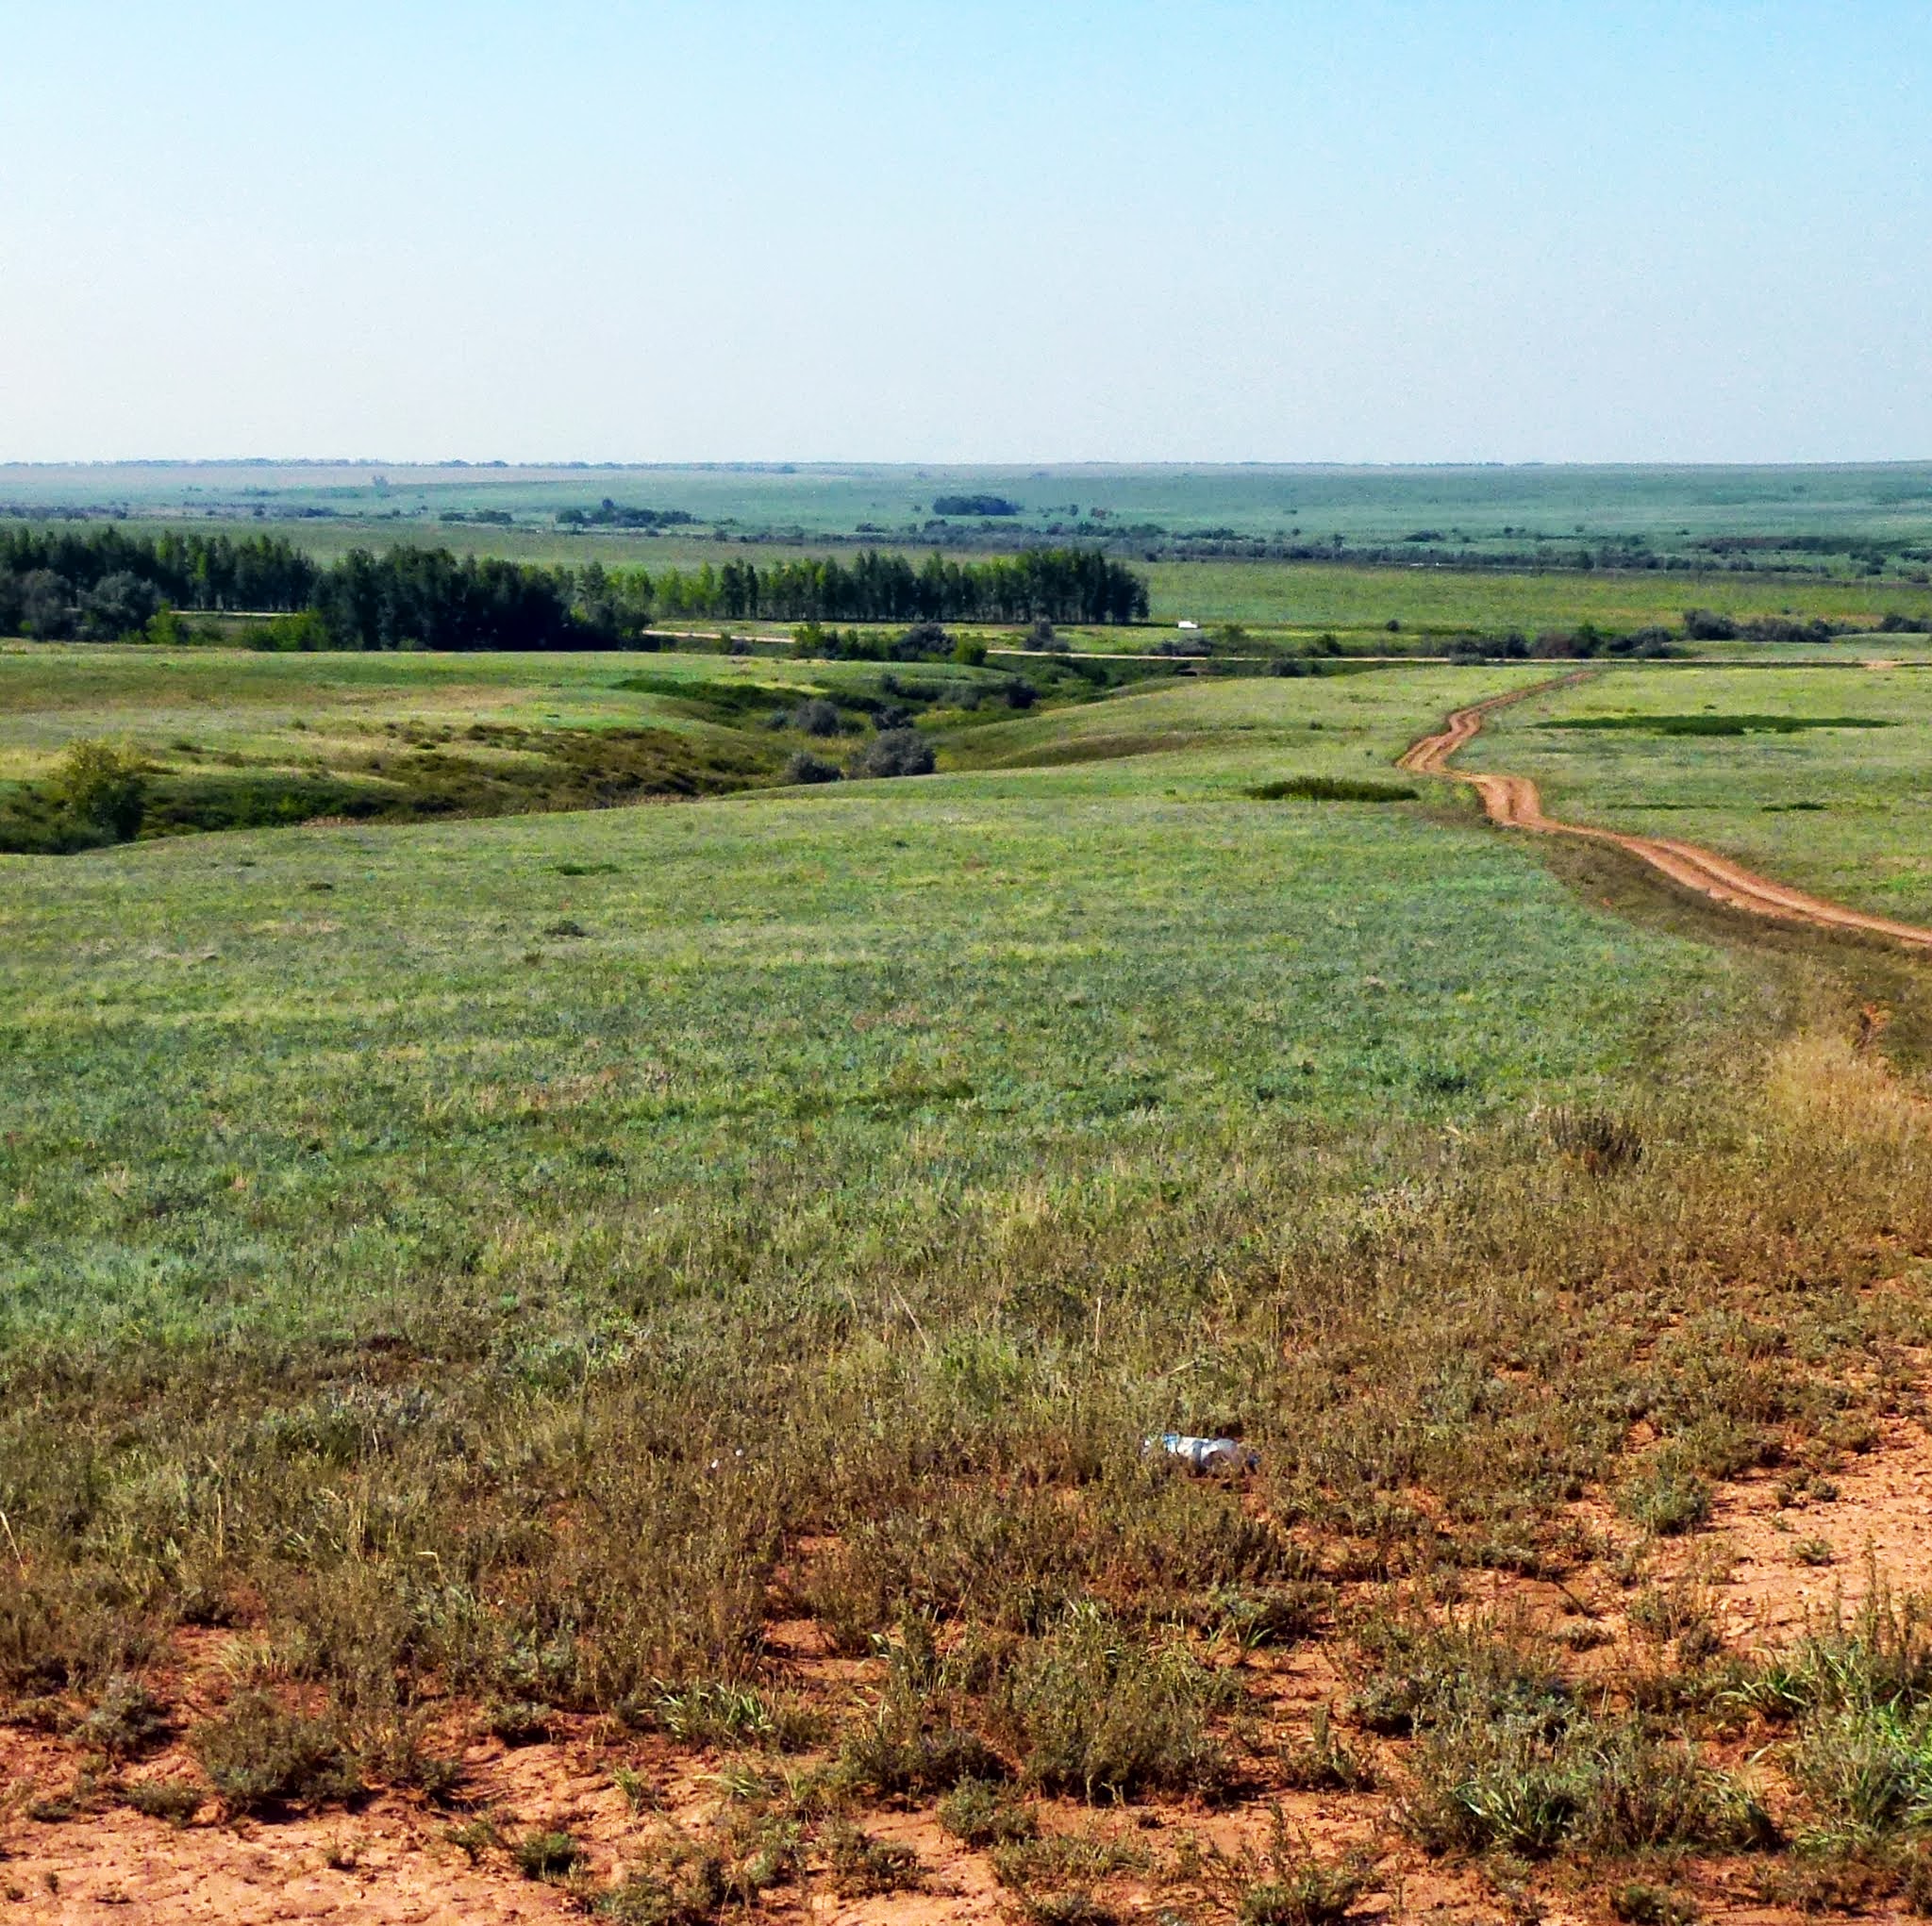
<point x="747" y="230"/>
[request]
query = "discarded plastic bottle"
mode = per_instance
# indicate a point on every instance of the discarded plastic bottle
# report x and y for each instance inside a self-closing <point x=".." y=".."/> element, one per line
<point x="1205" y="1454"/>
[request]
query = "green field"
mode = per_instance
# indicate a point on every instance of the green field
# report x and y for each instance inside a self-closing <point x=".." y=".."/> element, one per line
<point x="1478" y="506"/>
<point x="670" y="1302"/>
<point x="1439" y="602"/>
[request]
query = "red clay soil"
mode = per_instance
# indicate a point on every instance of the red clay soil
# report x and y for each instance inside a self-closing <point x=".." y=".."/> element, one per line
<point x="1513" y="801"/>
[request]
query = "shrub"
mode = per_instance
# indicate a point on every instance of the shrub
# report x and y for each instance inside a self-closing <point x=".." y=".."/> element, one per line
<point x="896" y="751"/>
<point x="1328" y="788"/>
<point x="1485" y="1788"/>
<point x="807" y="768"/>
<point x="259" y="1756"/>
<point x="1286" y="1884"/>
<point x="1103" y="1713"/>
<point x="127" y="1721"/>
<point x="519" y="1722"/>
<point x="1074" y="1908"/>
<point x="817" y="717"/>
<point x="924" y="641"/>
<point x="1639" y="1903"/>
<point x="164" y="1798"/>
<point x="1648" y="1795"/>
<point x="1882" y="1658"/>
<point x="1311" y="1894"/>
<point x="1420" y="1676"/>
<point x="120" y="605"/>
<point x="546" y="1855"/>
<point x="980" y="1814"/>
<point x="1277" y="1616"/>
<point x="724" y="1715"/>
<point x="301" y="634"/>
<point x="863" y="1866"/>
<point x="1665" y="1496"/>
<point x="1326" y="1763"/>
<point x="1486" y="1785"/>
<point x="1869" y="1767"/>
<point x="888" y="1762"/>
<point x="101" y="789"/>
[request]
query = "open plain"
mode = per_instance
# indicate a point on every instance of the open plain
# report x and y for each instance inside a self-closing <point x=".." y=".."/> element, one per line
<point x="603" y="1357"/>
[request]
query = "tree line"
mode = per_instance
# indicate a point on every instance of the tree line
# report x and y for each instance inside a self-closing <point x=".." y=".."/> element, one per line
<point x="1075" y="585"/>
<point x="103" y="584"/>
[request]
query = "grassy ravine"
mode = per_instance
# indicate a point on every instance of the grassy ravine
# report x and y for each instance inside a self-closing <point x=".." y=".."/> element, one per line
<point x="495" y="1272"/>
<point x="231" y="739"/>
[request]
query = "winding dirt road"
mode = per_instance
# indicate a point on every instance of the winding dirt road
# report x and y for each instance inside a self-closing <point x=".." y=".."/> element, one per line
<point x="1512" y="801"/>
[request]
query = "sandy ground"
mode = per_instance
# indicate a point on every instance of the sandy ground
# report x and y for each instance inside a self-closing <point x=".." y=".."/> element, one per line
<point x="1767" y="1569"/>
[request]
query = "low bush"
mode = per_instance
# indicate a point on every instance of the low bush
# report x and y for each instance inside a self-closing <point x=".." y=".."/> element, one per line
<point x="1325" y="1762"/>
<point x="258" y="1756"/>
<point x="164" y="1798"/>
<point x="546" y="1855"/>
<point x="1665" y="1496"/>
<point x="981" y="1814"/>
<point x="894" y="753"/>
<point x="817" y="717"/>
<point x="125" y="1721"/>
<point x="889" y="1763"/>
<point x="863" y="1866"/>
<point x="1604" y="1786"/>
<point x="1284" y="1882"/>
<point x="1101" y="1712"/>
<point x="519" y="1722"/>
<point x="1328" y="788"/>
<point x="1414" y="1676"/>
<point x="807" y="768"/>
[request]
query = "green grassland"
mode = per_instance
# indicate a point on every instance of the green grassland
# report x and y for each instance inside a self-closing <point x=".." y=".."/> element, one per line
<point x="1890" y="503"/>
<point x="473" y="1273"/>
<point x="967" y="973"/>
<point x="1844" y="812"/>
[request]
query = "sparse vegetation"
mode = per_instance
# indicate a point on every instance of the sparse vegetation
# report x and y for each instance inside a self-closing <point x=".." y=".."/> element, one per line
<point x="258" y="1756"/>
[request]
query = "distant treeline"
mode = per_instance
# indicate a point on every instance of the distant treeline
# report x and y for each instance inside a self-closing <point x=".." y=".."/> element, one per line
<point x="48" y="568"/>
<point x="1074" y="584"/>
<point x="102" y="584"/>
<point x="973" y="505"/>
<point x="609" y="514"/>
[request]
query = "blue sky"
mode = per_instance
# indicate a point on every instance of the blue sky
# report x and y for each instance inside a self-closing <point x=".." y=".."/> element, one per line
<point x="821" y="231"/>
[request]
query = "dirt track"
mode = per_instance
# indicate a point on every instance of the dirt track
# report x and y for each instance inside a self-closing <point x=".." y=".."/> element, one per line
<point x="1512" y="801"/>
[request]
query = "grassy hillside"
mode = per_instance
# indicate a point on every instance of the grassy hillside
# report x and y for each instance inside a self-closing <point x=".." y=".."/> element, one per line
<point x="671" y="1302"/>
<point x="231" y="738"/>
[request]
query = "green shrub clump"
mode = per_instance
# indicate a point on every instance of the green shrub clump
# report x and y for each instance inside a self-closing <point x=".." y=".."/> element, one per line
<point x="1330" y="788"/>
<point x="258" y="1756"/>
